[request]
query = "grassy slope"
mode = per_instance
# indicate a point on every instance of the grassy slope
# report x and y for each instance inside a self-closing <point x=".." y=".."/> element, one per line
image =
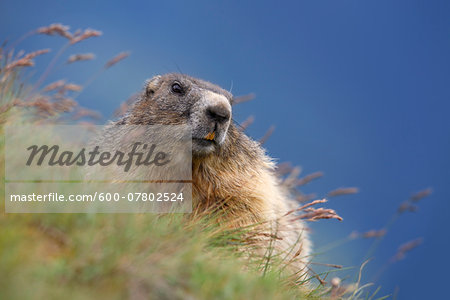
<point x="83" y="256"/>
<point x="119" y="255"/>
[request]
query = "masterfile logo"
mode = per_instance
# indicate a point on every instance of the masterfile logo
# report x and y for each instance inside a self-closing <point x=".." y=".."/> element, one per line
<point x="113" y="168"/>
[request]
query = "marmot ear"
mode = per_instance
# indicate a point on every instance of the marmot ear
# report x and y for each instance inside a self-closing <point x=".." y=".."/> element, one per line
<point x="152" y="85"/>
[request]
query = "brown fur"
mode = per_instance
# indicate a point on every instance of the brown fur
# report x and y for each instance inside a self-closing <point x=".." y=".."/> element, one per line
<point x="237" y="178"/>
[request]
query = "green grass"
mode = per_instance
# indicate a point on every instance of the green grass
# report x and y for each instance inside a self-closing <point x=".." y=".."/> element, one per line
<point x="121" y="255"/>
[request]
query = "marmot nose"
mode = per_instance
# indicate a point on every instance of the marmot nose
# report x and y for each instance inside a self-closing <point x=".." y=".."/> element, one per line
<point x="218" y="113"/>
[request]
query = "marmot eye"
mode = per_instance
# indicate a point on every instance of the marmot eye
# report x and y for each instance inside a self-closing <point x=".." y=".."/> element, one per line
<point x="177" y="89"/>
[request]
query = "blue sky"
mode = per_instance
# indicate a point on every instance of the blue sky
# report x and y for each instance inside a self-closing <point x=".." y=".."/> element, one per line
<point x="357" y="89"/>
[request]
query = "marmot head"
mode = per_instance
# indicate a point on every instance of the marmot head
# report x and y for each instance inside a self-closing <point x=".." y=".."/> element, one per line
<point x="175" y="99"/>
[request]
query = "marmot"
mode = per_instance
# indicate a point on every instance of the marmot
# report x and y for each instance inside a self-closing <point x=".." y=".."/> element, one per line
<point x="230" y="171"/>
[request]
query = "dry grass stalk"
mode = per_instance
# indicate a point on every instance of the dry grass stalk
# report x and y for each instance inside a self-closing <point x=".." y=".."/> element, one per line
<point x="64" y="105"/>
<point x="80" y="57"/>
<point x="56" y="29"/>
<point x="46" y="107"/>
<point x="26" y="61"/>
<point x="291" y="180"/>
<point x="77" y="32"/>
<point x="302" y="198"/>
<point x="18" y="54"/>
<point x="315" y="275"/>
<point x="406" y="206"/>
<point x="267" y="135"/>
<point x="54" y="85"/>
<point x="313" y="214"/>
<point x="71" y="87"/>
<point x="373" y="233"/>
<point x="284" y="168"/>
<point x="353" y="235"/>
<point x="247" y="123"/>
<point x="312" y="203"/>
<point x="88" y="33"/>
<point x="42" y="104"/>
<point x="36" y="53"/>
<point x="343" y="191"/>
<point x="116" y="59"/>
<point x="244" y="98"/>
<point x="327" y="265"/>
<point x="409" y="204"/>
<point x="405" y="248"/>
<point x="420" y="195"/>
<point x="309" y="178"/>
